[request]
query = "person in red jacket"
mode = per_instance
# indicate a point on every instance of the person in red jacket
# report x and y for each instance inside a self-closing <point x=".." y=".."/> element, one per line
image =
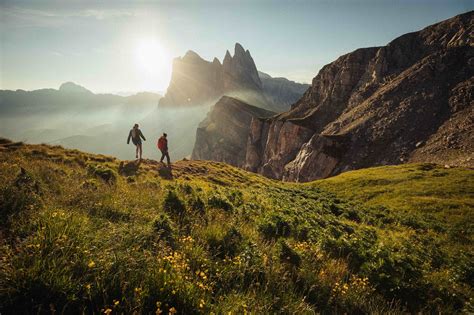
<point x="163" y="146"/>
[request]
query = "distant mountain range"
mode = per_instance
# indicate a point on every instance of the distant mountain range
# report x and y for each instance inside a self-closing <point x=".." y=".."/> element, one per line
<point x="69" y="96"/>
<point x="195" y="82"/>
<point x="74" y="117"/>
<point x="409" y="101"/>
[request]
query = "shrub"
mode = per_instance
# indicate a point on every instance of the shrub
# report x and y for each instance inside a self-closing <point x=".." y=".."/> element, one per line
<point x="275" y="226"/>
<point x="397" y="273"/>
<point x="219" y="202"/>
<point x="186" y="188"/>
<point x="356" y="247"/>
<point x="288" y="254"/>
<point x="227" y="245"/>
<point x="236" y="197"/>
<point x="102" y="172"/>
<point x="352" y="215"/>
<point x="335" y="209"/>
<point x="164" y="227"/>
<point x="197" y="205"/>
<point x="89" y="184"/>
<point x="173" y="204"/>
<point x="23" y="194"/>
<point x="464" y="267"/>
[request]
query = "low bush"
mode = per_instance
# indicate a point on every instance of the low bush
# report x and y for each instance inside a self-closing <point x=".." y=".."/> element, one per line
<point x="106" y="174"/>
<point x="227" y="244"/>
<point x="288" y="255"/>
<point x="274" y="226"/>
<point x="163" y="226"/>
<point x="173" y="204"/>
<point x="219" y="201"/>
<point x="24" y="194"/>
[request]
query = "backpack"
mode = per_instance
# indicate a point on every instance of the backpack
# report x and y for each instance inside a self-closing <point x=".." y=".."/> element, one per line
<point x="161" y="143"/>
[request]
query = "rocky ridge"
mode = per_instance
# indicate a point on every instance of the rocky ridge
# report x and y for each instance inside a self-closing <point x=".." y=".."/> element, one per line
<point x="195" y="82"/>
<point x="281" y="91"/>
<point x="222" y="136"/>
<point x="411" y="100"/>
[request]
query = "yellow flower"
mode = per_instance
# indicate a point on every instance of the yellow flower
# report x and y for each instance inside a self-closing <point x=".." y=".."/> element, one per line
<point x="158" y="308"/>
<point x="107" y="311"/>
<point x="172" y="310"/>
<point x="116" y="302"/>
<point x="91" y="264"/>
<point x="201" y="303"/>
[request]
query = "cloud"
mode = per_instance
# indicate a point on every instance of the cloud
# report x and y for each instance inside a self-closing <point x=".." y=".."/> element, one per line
<point x="16" y="16"/>
<point x="56" y="53"/>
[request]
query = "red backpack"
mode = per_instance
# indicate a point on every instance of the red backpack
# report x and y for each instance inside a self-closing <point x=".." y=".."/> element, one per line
<point x="162" y="143"/>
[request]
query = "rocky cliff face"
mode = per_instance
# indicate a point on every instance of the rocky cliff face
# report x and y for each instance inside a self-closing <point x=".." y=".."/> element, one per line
<point x="193" y="81"/>
<point x="222" y="136"/>
<point x="196" y="82"/>
<point x="412" y="100"/>
<point x="281" y="91"/>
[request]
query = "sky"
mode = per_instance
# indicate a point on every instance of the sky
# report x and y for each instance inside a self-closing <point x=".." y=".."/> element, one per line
<point x="128" y="46"/>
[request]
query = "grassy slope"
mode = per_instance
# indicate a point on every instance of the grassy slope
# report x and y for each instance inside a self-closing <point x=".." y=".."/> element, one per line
<point x="219" y="239"/>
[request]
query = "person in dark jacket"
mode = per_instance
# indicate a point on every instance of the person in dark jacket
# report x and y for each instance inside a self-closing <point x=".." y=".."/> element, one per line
<point x="163" y="146"/>
<point x="136" y="135"/>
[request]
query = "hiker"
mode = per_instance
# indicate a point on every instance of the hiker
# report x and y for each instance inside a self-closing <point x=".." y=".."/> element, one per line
<point x="136" y="135"/>
<point x="163" y="146"/>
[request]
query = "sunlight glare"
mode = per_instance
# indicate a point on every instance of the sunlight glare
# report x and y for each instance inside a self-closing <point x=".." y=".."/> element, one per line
<point x="153" y="59"/>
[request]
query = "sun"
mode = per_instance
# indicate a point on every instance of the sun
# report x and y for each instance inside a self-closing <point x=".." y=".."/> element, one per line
<point x="153" y="59"/>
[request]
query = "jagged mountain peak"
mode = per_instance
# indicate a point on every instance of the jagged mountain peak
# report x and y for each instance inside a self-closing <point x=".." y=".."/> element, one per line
<point x="238" y="50"/>
<point x="227" y="57"/>
<point x="192" y="55"/>
<point x="196" y="81"/>
<point x="216" y="61"/>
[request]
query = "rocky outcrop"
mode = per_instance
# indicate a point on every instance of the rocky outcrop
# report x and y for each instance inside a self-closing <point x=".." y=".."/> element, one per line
<point x="281" y="91"/>
<point x="411" y="100"/>
<point x="195" y="82"/>
<point x="222" y="136"/>
<point x="240" y="72"/>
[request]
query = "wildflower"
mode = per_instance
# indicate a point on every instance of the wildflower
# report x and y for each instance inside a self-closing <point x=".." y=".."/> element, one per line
<point x="201" y="303"/>
<point x="158" y="308"/>
<point x="107" y="311"/>
<point x="91" y="264"/>
<point x="88" y="286"/>
<point x="172" y="310"/>
<point x="116" y="302"/>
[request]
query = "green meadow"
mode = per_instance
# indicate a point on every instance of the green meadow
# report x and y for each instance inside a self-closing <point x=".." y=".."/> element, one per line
<point x="79" y="234"/>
